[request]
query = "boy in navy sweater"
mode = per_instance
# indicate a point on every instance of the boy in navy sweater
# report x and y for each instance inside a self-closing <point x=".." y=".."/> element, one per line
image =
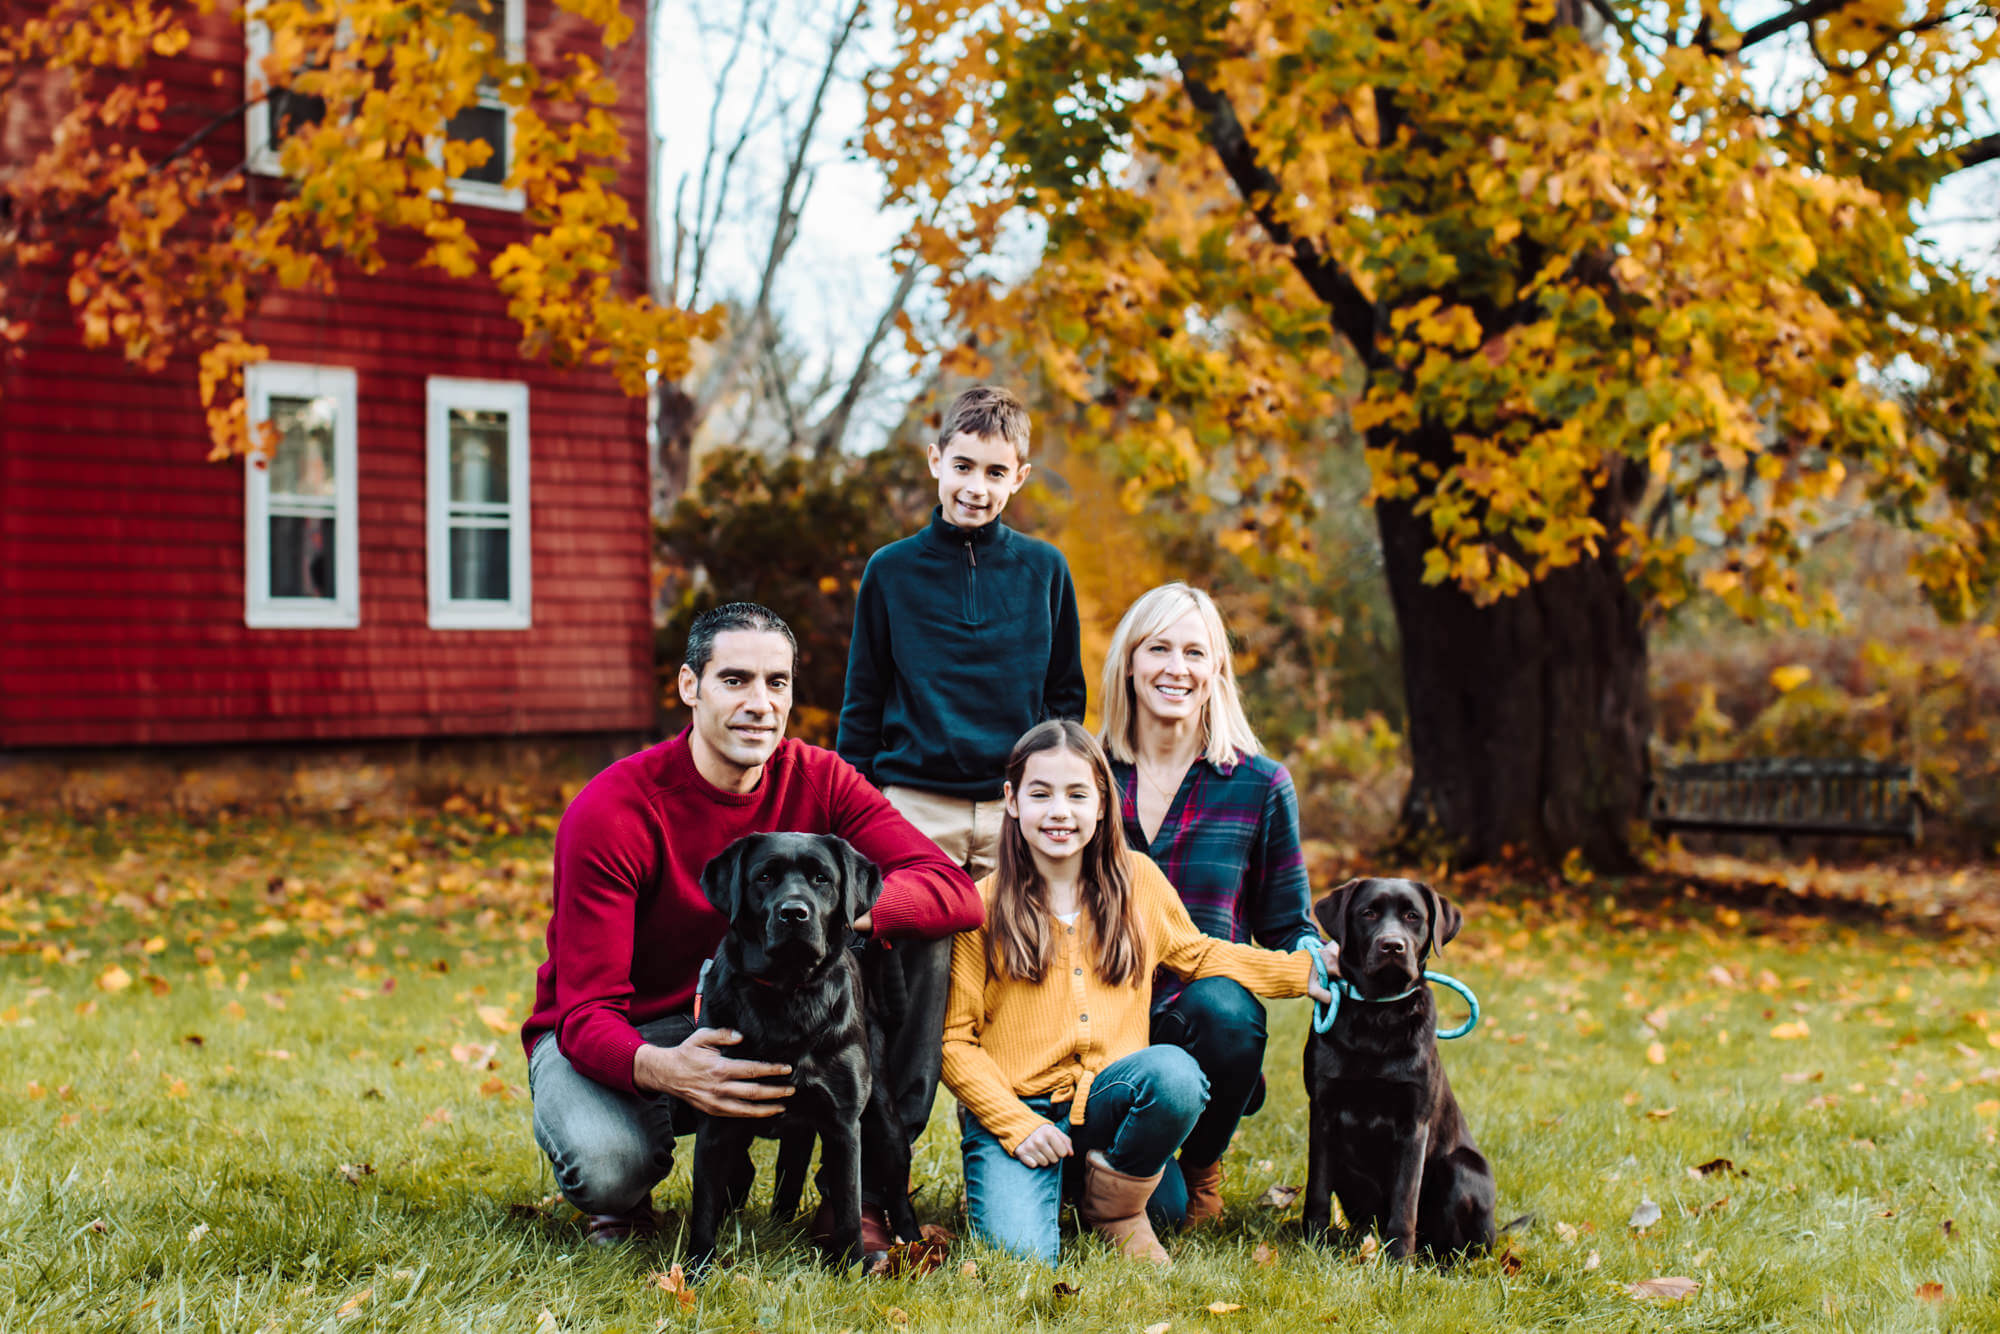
<point x="965" y="636"/>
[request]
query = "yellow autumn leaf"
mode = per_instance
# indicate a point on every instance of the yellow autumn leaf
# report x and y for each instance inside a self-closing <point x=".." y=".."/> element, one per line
<point x="1790" y="678"/>
<point x="1656" y="1053"/>
<point x="114" y="979"/>
<point x="496" y="1018"/>
<point x="1791" y="1030"/>
<point x="1223" y="1308"/>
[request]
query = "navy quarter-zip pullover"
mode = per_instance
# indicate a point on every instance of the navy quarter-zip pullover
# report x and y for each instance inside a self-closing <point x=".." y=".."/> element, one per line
<point x="964" y="638"/>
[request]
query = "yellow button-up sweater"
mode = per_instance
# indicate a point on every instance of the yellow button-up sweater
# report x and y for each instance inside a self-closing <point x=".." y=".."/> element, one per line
<point x="1005" y="1039"/>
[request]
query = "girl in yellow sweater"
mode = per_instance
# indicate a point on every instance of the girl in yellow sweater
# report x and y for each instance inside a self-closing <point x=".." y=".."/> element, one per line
<point x="1045" y="1032"/>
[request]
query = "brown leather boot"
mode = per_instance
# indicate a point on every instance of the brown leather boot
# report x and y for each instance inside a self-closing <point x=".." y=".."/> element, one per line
<point x="1114" y="1205"/>
<point x="1204" y="1192"/>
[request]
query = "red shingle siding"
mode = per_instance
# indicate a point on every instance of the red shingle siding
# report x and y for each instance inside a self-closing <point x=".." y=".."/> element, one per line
<point x="121" y="547"/>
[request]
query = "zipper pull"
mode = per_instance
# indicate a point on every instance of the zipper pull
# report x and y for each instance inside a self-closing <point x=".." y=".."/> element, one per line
<point x="972" y="555"/>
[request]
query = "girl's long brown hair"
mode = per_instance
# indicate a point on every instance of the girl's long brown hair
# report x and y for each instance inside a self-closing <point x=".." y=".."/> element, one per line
<point x="1019" y="942"/>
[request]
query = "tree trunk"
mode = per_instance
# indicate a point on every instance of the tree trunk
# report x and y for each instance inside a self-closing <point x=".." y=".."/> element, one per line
<point x="1529" y="717"/>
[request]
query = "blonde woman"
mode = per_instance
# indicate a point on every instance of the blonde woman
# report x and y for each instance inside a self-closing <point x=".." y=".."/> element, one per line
<point x="1200" y="799"/>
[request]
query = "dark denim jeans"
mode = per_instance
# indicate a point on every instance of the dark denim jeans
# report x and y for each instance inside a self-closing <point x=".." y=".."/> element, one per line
<point x="1221" y="1025"/>
<point x="1141" y="1108"/>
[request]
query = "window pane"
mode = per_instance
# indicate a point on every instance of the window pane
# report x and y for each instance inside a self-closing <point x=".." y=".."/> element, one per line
<point x="489" y="124"/>
<point x="301" y="557"/>
<point x="291" y="111"/>
<point x="478" y="457"/>
<point x="492" y="16"/>
<point x="479" y="564"/>
<point x="303" y="463"/>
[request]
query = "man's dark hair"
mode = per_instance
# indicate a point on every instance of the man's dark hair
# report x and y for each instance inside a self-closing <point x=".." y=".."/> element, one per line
<point x="731" y="616"/>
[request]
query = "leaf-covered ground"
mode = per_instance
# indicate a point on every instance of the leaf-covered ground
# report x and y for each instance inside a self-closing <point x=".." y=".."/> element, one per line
<point x="266" y="1077"/>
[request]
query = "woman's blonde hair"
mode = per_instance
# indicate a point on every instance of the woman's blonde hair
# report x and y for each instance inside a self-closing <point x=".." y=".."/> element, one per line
<point x="1224" y="729"/>
<point x="1019" y="941"/>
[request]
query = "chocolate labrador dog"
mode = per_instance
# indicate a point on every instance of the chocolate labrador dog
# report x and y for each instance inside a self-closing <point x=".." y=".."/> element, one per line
<point x="1386" y="1134"/>
<point x="786" y="980"/>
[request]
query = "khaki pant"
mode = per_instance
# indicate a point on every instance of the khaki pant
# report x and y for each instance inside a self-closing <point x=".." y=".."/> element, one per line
<point x="968" y="832"/>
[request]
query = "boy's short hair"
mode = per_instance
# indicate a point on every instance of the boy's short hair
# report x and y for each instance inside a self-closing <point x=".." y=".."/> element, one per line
<point x="987" y="410"/>
<point x="731" y="616"/>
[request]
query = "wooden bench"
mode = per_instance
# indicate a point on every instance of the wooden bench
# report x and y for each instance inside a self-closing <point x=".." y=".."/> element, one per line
<point x="1854" y="798"/>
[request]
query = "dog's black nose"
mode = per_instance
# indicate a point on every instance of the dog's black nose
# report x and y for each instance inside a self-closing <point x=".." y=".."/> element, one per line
<point x="795" y="911"/>
<point x="1391" y="946"/>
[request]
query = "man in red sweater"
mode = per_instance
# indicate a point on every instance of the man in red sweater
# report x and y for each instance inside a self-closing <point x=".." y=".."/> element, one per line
<point x="616" y="1064"/>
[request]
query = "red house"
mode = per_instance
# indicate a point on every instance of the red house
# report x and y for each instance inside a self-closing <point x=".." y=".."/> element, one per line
<point x="451" y="540"/>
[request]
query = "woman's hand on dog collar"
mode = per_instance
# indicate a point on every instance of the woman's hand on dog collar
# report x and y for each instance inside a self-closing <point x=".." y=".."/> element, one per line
<point x="865" y="924"/>
<point x="706" y="1080"/>
<point x="1329" y="955"/>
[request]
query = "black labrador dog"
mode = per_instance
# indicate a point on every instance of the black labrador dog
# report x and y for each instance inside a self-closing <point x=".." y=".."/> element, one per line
<point x="786" y="979"/>
<point x="1386" y="1134"/>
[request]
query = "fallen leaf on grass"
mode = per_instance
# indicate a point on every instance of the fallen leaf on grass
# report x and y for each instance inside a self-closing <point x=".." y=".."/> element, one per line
<point x="675" y="1281"/>
<point x="352" y="1306"/>
<point x="1932" y="1292"/>
<point x="355" y="1171"/>
<point x="1264" y="1257"/>
<point x="1791" y="1031"/>
<point x="497" y="1018"/>
<point x="896" y="1315"/>
<point x="440" y="1117"/>
<point x="1064" y="1289"/>
<point x="1510" y="1263"/>
<point x="1711" y="1207"/>
<point x="1714" y="1165"/>
<point x="1160" y="1328"/>
<point x="1567" y="1231"/>
<point x="196" y="1233"/>
<point x="114" y="979"/>
<point x="97" y="1225"/>
<point x="545" y="1322"/>
<point x="1591" y="1261"/>
<point x="473" y="1054"/>
<point x="1279" y="1197"/>
<point x="494" y="1085"/>
<point x="276" y="1054"/>
<point x="1661" y="1113"/>
<point x="1656" y="1053"/>
<point x="910" y="1257"/>
<point x="1673" y="1289"/>
<point x="1223" y="1308"/>
<point x="1366" y="1251"/>
<point x="970" y="1269"/>
<point x="1645" y="1215"/>
<point x="1946" y="1228"/>
<point x="1803" y="1076"/>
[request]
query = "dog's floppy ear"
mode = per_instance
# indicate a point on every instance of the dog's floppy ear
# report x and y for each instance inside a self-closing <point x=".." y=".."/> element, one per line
<point x="1446" y="919"/>
<point x="1331" y="912"/>
<point x="863" y="878"/>
<point x="722" y="878"/>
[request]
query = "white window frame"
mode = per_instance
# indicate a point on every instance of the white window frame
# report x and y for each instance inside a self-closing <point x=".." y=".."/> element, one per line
<point x="261" y="154"/>
<point x="442" y="394"/>
<point x="261" y="611"/>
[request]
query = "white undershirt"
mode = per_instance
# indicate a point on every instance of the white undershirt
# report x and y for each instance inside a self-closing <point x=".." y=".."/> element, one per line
<point x="1066" y="918"/>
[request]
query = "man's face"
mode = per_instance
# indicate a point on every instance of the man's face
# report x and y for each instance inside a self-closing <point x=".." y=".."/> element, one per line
<point x="740" y="703"/>
<point x="976" y="475"/>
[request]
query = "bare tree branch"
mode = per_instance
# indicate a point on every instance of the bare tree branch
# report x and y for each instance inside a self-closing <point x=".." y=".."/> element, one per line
<point x="1976" y="153"/>
<point x="833" y="429"/>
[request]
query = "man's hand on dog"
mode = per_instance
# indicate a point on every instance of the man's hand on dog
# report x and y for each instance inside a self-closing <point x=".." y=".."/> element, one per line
<point x="1045" y="1146"/>
<point x="1329" y="954"/>
<point x="706" y="1080"/>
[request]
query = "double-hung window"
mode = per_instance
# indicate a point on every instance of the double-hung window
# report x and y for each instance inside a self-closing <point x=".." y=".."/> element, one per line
<point x="302" y="565"/>
<point x="274" y="113"/>
<point x="476" y="436"/>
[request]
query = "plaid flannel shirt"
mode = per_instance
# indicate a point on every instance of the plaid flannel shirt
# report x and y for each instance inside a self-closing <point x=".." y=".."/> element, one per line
<point x="1230" y="847"/>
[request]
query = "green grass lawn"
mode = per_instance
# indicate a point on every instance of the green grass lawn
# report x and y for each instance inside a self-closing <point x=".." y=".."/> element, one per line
<point x="254" y="1078"/>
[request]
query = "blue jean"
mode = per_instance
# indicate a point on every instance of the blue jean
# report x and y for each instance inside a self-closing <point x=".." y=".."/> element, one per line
<point x="608" y="1148"/>
<point x="1141" y="1108"/>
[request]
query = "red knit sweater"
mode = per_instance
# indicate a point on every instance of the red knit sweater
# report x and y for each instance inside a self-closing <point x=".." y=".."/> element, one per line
<point x="631" y="927"/>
